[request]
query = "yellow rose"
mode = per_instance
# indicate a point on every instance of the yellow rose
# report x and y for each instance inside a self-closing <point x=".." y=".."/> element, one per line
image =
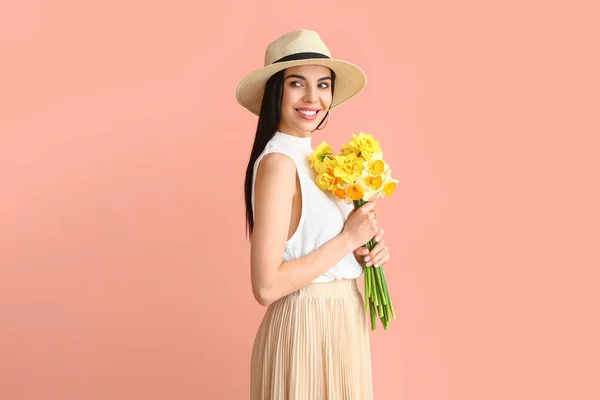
<point x="316" y="157"/>
<point x="349" y="168"/>
<point x="366" y="144"/>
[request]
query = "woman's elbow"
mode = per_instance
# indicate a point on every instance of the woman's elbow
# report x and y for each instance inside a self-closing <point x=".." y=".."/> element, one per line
<point x="262" y="296"/>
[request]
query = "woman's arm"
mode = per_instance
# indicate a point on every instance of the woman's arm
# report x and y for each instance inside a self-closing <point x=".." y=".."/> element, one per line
<point x="272" y="278"/>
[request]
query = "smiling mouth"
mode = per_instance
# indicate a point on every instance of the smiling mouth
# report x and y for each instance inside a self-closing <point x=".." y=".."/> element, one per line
<point x="308" y="114"/>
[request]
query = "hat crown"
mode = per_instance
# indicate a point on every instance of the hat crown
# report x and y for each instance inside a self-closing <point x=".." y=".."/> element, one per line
<point x="299" y="41"/>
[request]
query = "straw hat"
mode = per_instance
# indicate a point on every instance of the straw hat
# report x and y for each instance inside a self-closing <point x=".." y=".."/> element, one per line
<point x="300" y="47"/>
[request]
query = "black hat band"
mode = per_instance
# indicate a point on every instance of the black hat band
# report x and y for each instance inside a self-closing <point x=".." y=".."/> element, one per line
<point x="301" y="56"/>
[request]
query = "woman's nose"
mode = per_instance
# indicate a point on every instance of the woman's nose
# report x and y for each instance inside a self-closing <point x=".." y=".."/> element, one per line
<point x="310" y="95"/>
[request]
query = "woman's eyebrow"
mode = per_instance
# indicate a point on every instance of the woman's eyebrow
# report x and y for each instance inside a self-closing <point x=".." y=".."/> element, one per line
<point x="304" y="78"/>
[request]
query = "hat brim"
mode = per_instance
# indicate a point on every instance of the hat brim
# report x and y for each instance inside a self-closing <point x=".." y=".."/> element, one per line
<point x="350" y="80"/>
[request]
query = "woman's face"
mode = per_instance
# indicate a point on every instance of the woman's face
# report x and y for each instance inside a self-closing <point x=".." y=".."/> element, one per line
<point x="306" y="99"/>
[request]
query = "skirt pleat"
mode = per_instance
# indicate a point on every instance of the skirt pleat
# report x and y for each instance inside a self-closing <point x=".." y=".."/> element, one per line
<point x="314" y="344"/>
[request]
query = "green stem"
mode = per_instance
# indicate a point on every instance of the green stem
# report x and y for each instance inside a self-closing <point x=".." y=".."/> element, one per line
<point x="367" y="289"/>
<point x="371" y="306"/>
<point x="377" y="297"/>
<point x="390" y="300"/>
<point x="382" y="290"/>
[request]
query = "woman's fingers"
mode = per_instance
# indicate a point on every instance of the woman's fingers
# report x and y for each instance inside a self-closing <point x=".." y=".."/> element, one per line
<point x="379" y="255"/>
<point x="379" y="235"/>
<point x="373" y="254"/>
<point x="361" y="251"/>
<point x="381" y="258"/>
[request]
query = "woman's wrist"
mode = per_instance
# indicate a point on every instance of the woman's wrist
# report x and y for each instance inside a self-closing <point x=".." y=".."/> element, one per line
<point x="346" y="241"/>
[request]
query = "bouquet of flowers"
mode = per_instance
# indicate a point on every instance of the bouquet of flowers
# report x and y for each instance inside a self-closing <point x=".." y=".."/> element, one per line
<point x="356" y="175"/>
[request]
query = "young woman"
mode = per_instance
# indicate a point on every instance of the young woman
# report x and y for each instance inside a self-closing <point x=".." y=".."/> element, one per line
<point x="306" y="245"/>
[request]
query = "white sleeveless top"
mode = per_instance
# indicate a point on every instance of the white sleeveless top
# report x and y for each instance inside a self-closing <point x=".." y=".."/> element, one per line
<point x="323" y="214"/>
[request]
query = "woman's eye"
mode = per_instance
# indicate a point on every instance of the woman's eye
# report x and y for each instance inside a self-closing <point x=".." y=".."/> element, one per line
<point x="299" y="84"/>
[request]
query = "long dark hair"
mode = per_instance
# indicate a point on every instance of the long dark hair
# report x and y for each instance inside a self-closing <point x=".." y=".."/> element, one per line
<point x="268" y="122"/>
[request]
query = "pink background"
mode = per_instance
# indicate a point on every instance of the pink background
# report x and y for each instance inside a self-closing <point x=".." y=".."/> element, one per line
<point x="124" y="266"/>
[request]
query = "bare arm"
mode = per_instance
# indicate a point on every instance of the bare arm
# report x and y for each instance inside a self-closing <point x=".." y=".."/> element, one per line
<point x="272" y="278"/>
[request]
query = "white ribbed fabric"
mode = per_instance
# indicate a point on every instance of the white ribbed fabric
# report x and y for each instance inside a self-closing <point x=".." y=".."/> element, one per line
<point x="314" y="345"/>
<point x="323" y="214"/>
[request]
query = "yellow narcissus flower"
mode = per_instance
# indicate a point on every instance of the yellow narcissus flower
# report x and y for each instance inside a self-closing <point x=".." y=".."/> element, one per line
<point x="366" y="144"/>
<point x="349" y="168"/>
<point x="339" y="192"/>
<point x="317" y="156"/>
<point x="347" y="149"/>
<point x="375" y="166"/>
<point x="388" y="188"/>
<point x="388" y="185"/>
<point x="355" y="192"/>
<point x="374" y="172"/>
<point x="326" y="181"/>
<point x="367" y="190"/>
<point x="374" y="182"/>
<point x="358" y="190"/>
<point x="326" y="165"/>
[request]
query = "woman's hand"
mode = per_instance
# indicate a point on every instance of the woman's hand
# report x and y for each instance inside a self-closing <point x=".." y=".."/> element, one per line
<point x="378" y="256"/>
<point x="360" y="226"/>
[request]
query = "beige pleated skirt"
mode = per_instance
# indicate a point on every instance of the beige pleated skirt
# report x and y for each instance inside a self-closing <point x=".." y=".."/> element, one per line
<point x="314" y="345"/>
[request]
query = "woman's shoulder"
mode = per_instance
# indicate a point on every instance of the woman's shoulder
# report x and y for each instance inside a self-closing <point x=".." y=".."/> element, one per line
<point x="278" y="162"/>
<point x="276" y="154"/>
<point x="274" y="178"/>
<point x="275" y="168"/>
